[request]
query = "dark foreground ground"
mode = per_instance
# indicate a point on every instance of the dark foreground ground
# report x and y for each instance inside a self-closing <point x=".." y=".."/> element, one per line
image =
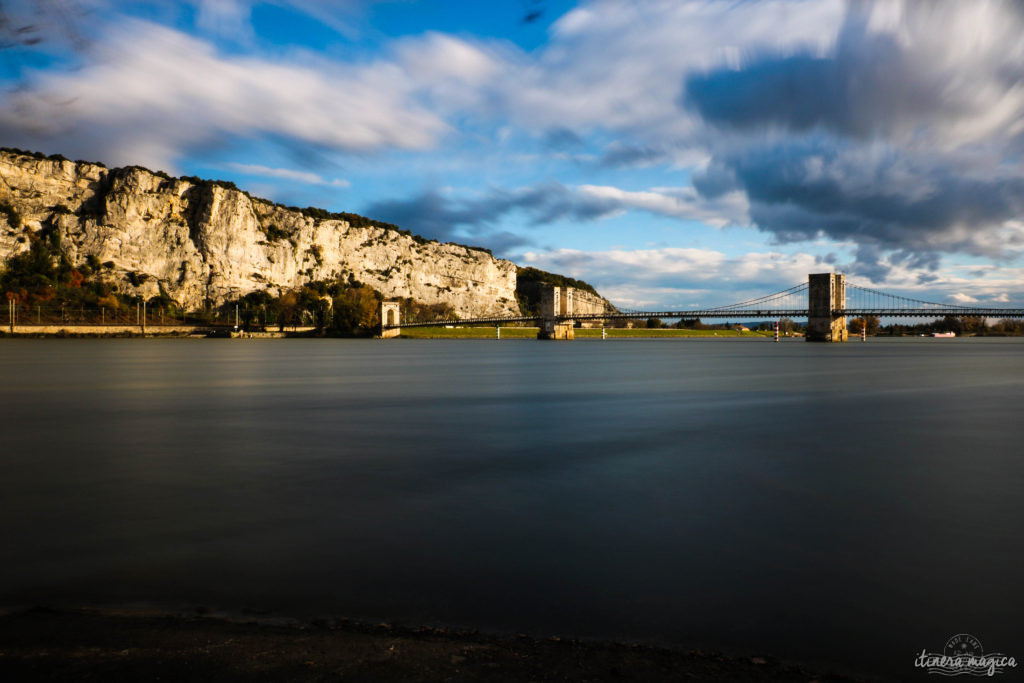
<point x="80" y="645"/>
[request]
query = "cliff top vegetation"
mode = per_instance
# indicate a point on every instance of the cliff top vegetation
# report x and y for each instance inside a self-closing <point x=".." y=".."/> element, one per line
<point x="536" y="275"/>
<point x="528" y="287"/>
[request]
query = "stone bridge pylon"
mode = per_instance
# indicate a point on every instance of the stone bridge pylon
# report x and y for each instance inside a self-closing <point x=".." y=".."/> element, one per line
<point x="826" y="294"/>
<point x="390" y="312"/>
<point x="556" y="302"/>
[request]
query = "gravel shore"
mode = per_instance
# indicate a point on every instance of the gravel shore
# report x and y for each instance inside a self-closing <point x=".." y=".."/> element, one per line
<point x="87" y="645"/>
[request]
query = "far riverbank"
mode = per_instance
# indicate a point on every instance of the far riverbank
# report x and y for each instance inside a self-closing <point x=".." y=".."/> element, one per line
<point x="440" y="332"/>
<point x="489" y="332"/>
<point x="123" y="331"/>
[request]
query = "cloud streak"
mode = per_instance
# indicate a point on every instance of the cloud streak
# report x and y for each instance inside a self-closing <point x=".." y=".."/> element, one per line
<point x="288" y="174"/>
<point x="152" y="93"/>
<point x="905" y="138"/>
<point x="442" y="216"/>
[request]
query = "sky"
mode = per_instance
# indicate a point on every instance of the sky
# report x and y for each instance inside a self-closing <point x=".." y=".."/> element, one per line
<point x="675" y="154"/>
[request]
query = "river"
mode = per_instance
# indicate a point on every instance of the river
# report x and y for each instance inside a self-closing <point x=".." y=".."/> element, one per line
<point x="844" y="505"/>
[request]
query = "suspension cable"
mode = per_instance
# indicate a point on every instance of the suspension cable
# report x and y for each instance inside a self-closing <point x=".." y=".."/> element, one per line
<point x="750" y="302"/>
<point x="904" y="298"/>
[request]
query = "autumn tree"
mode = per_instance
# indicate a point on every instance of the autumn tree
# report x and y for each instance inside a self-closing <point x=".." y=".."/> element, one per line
<point x="857" y="325"/>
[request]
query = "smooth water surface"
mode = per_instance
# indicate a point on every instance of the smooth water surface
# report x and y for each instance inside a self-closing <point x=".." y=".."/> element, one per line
<point x="849" y="504"/>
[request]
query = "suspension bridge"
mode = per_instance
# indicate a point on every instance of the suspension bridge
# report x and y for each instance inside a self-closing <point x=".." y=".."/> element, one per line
<point x="826" y="300"/>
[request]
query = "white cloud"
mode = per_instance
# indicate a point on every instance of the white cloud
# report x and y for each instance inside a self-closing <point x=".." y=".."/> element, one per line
<point x="678" y="278"/>
<point x="232" y="18"/>
<point x="906" y="136"/>
<point x="229" y="18"/>
<point x="152" y="93"/>
<point x="681" y="202"/>
<point x="608" y="66"/>
<point x="288" y="174"/>
<point x="620" y="66"/>
<point x="435" y="214"/>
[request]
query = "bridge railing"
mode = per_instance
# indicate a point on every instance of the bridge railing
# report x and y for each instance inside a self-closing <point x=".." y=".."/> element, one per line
<point x="467" y="321"/>
<point x="633" y="315"/>
<point x="957" y="312"/>
<point x="732" y="314"/>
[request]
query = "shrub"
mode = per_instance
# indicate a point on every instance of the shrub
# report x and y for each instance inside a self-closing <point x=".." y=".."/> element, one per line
<point x="274" y="233"/>
<point x="13" y="217"/>
<point x="108" y="301"/>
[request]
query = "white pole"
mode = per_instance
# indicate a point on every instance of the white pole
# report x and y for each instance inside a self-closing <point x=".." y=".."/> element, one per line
<point x="776" y="330"/>
<point x="497" y="331"/>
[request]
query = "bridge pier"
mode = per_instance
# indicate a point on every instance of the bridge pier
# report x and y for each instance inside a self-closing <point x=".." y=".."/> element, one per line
<point x="826" y="293"/>
<point x="389" y="315"/>
<point x="553" y="329"/>
<point x="556" y="302"/>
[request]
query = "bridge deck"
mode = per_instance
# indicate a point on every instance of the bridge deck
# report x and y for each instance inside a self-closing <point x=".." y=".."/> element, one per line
<point x="739" y="314"/>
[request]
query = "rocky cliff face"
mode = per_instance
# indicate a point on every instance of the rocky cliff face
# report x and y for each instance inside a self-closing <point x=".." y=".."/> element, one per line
<point x="585" y="302"/>
<point x="199" y="241"/>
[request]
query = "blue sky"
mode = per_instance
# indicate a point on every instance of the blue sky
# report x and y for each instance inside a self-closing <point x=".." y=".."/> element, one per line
<point x="674" y="153"/>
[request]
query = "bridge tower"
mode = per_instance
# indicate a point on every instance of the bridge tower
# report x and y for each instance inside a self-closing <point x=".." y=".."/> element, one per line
<point x="826" y="292"/>
<point x="554" y="302"/>
<point x="389" y="315"/>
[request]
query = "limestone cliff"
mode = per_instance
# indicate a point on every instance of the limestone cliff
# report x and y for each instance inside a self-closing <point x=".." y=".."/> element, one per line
<point x="201" y="241"/>
<point x="586" y="302"/>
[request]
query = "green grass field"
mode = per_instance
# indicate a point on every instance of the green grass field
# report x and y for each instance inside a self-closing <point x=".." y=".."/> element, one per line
<point x="485" y="332"/>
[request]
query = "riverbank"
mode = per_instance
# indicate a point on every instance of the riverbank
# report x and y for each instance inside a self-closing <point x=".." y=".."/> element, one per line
<point x="75" y="645"/>
<point x="440" y="332"/>
<point x="122" y="331"/>
<point x="486" y="332"/>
